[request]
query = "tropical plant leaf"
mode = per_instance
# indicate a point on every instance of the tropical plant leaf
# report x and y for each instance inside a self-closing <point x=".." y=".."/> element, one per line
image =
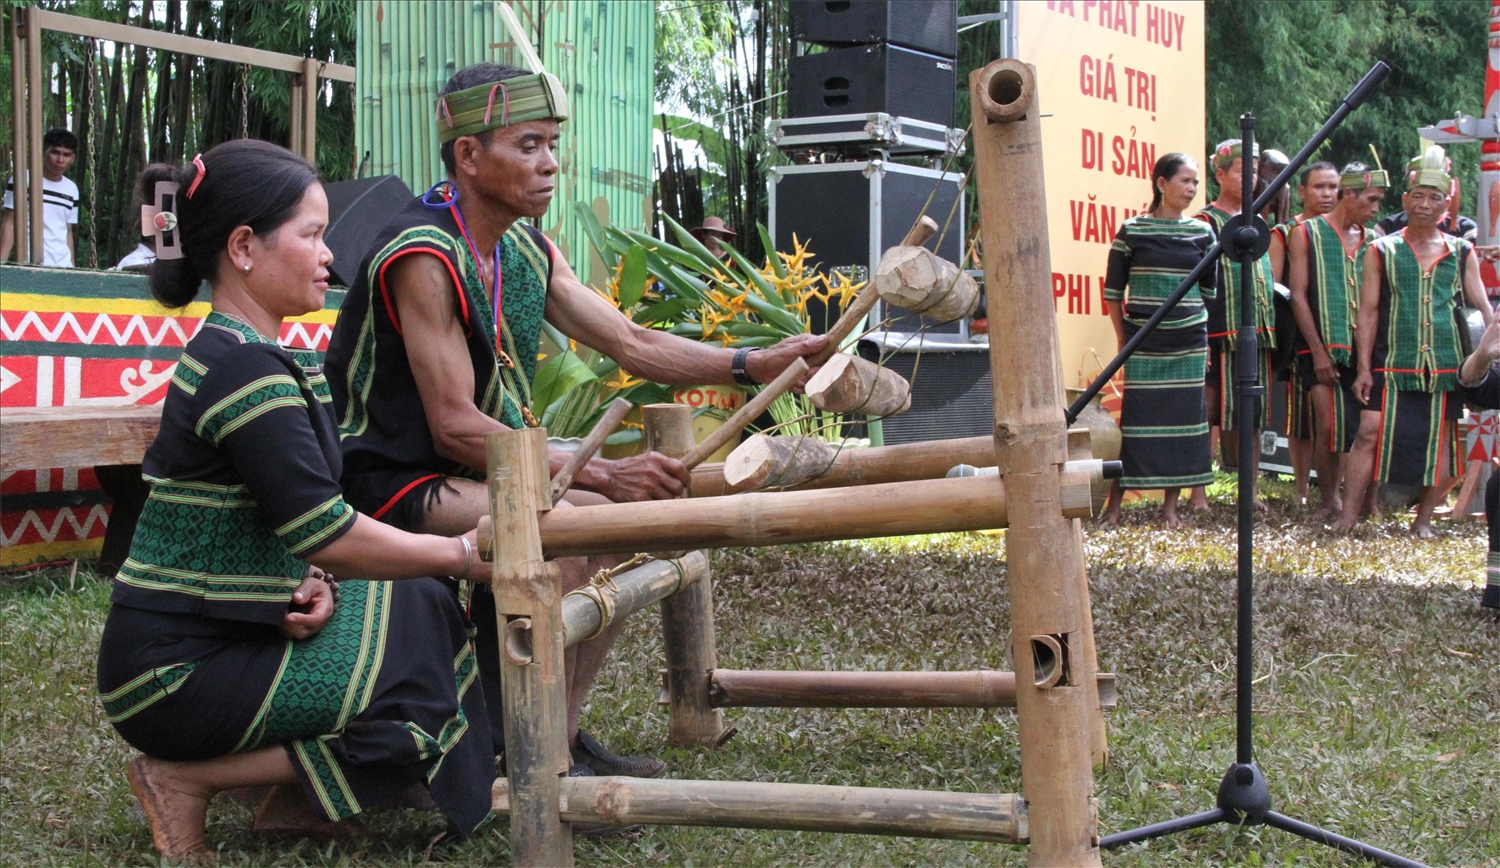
<point x="663" y="311"/>
<point x="693" y="245"/>
<point x="758" y="280"/>
<point x="558" y="376"/>
<point x="591" y="227"/>
<point x="633" y="278"/>
<point x="777" y="266"/>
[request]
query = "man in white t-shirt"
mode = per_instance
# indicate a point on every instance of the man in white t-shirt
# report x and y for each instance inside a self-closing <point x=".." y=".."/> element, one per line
<point x="59" y="203"/>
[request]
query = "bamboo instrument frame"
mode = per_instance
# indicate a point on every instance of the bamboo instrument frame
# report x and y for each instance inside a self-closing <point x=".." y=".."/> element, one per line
<point x="1055" y="684"/>
<point x="996" y="817"/>
<point x="979" y="688"/>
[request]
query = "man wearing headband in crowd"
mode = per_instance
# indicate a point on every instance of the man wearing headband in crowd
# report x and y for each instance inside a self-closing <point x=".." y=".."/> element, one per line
<point x="1224" y="310"/>
<point x="1325" y="270"/>
<point x="436" y="347"/>
<point x="1452" y="223"/>
<point x="1318" y="187"/>
<point x="1409" y="349"/>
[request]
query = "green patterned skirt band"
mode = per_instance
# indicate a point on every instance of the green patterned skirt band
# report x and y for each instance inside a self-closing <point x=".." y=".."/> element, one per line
<point x="535" y="97"/>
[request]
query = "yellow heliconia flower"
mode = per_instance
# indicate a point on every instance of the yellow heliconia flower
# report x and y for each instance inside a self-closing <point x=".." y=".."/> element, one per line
<point x="540" y="356"/>
<point x="625" y="380"/>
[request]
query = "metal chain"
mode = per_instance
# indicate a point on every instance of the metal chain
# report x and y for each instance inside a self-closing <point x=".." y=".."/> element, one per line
<point x="244" y="101"/>
<point x="92" y="85"/>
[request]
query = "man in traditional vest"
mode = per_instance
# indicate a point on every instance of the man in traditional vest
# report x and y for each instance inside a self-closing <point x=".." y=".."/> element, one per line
<point x="1224" y="311"/>
<point x="436" y="347"/>
<point x="1409" y="349"/>
<point x="1318" y="188"/>
<point x="1326" y="258"/>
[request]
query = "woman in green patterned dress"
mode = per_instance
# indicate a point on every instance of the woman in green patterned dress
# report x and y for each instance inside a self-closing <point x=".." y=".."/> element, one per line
<point x="1163" y="422"/>
<point x="225" y="659"/>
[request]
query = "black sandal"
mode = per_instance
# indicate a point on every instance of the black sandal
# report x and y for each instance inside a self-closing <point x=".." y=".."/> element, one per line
<point x="604" y="762"/>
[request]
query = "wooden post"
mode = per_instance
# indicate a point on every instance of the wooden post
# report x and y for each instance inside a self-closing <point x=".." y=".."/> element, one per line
<point x="687" y="617"/>
<point x="294" y="139"/>
<point x="528" y="593"/>
<point x="20" y="132"/>
<point x="34" y="89"/>
<point x="310" y="90"/>
<point x="1098" y="729"/>
<point x="1043" y="554"/>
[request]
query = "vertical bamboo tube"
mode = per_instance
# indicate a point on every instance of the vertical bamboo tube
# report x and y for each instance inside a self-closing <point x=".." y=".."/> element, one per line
<point x="687" y="617"/>
<point x="1098" y="729"/>
<point x="310" y="90"/>
<point x="34" y="90"/>
<point x="1043" y="553"/>
<point x="20" y="134"/>
<point x="528" y="590"/>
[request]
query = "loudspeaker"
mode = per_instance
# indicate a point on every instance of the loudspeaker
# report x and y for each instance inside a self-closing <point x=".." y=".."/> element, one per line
<point x="357" y="211"/>
<point x="926" y="25"/>
<point x="873" y="78"/>
<point x="847" y="214"/>
<point x="952" y="394"/>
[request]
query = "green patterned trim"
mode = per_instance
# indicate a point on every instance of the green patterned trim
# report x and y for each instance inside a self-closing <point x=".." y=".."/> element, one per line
<point x="247" y="403"/>
<point x="229" y="323"/>
<point x="312" y="527"/>
<point x="334" y="793"/>
<point x="359" y="377"/>
<point x="255" y="732"/>
<point x="1336" y="284"/>
<point x="146" y="690"/>
<point x="189" y="374"/>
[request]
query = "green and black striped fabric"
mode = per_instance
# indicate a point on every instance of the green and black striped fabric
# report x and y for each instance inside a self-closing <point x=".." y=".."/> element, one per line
<point x="247" y="458"/>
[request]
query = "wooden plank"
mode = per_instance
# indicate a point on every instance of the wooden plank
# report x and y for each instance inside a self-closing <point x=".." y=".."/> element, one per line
<point x="38" y="438"/>
<point x="618" y="801"/>
<point x="979" y="688"/>
<point x="79" y="26"/>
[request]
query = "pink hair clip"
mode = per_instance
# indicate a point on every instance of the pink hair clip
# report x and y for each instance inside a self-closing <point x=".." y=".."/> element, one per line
<point x="193" y="187"/>
<point x="442" y="106"/>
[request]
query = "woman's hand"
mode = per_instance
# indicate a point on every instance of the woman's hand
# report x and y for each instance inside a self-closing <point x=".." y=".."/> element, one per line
<point x="312" y="606"/>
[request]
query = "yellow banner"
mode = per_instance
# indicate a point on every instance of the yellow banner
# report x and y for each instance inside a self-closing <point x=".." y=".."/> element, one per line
<point x="1120" y="83"/>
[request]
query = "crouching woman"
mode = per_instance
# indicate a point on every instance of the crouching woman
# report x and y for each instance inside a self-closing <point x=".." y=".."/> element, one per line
<point x="225" y="660"/>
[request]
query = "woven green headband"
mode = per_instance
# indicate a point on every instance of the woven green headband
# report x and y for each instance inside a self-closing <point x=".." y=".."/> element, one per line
<point x="535" y="97"/>
<point x="1364" y="180"/>
<point x="1429" y="170"/>
<point x="1230" y="151"/>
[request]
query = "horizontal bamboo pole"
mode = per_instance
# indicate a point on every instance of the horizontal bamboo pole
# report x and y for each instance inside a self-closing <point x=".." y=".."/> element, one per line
<point x="981" y="688"/>
<point x="621" y="801"/>
<point x="126" y="34"/>
<point x="584" y="610"/>
<point x="873" y="465"/>
<point x="779" y="518"/>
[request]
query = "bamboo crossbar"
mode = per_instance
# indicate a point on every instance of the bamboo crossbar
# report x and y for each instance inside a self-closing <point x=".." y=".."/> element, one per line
<point x="980" y="688"/>
<point x="79" y="26"/>
<point x="620" y="801"/>
<point x="873" y="465"/>
<point x="780" y="518"/>
<point x="584" y="610"/>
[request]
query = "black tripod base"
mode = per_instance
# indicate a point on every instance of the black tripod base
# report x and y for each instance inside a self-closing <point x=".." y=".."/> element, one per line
<point x="1245" y="800"/>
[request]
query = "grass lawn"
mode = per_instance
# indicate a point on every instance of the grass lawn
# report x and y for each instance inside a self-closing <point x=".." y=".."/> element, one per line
<point x="1378" y="709"/>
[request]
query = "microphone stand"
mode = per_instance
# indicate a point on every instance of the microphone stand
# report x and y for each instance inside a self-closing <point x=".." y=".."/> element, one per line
<point x="1244" y="797"/>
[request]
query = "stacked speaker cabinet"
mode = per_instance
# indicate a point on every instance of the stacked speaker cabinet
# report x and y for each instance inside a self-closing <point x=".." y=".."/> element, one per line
<point x="882" y="87"/>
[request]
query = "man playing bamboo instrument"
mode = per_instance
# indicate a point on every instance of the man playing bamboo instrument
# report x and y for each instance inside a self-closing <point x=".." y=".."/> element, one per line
<point x="1318" y="187"/>
<point x="436" y="347"/>
<point x="1409" y="349"/>
<point x="1224" y="312"/>
<point x="1326" y="258"/>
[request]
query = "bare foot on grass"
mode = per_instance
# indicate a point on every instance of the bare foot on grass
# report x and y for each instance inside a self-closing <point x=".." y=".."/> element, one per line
<point x="1171" y="519"/>
<point x="175" y="810"/>
<point x="286" y="811"/>
<point x="1423" y="530"/>
<point x="1111" y="517"/>
<point x="1342" y="526"/>
<point x="1198" y="500"/>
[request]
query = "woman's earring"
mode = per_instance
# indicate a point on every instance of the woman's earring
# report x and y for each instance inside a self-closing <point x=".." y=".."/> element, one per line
<point x="247" y="268"/>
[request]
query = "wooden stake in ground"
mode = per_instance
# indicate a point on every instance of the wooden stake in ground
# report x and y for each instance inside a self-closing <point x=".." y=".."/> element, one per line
<point x="687" y="617"/>
<point x="767" y="462"/>
<point x="1042" y="552"/>
<point x="528" y="613"/>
